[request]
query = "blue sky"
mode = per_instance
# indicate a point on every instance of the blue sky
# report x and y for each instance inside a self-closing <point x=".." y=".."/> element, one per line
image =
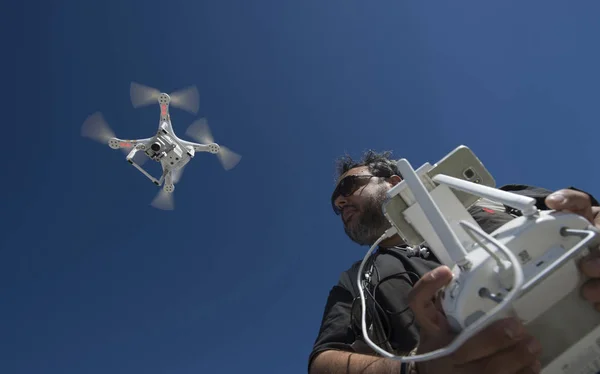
<point x="94" y="280"/>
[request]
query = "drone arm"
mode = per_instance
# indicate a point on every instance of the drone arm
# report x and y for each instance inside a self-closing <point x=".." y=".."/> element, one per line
<point x="117" y="143"/>
<point x="186" y="146"/>
<point x="168" y="177"/>
<point x="197" y="147"/>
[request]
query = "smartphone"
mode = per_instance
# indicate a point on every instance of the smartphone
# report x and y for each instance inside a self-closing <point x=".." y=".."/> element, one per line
<point x="461" y="163"/>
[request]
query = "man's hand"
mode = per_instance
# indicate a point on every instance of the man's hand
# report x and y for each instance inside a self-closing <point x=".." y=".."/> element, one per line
<point x="580" y="203"/>
<point x="494" y="349"/>
<point x="503" y="347"/>
<point x="574" y="202"/>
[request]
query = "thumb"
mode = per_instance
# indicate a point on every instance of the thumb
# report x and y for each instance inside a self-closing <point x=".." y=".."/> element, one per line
<point x="422" y="298"/>
<point x="571" y="201"/>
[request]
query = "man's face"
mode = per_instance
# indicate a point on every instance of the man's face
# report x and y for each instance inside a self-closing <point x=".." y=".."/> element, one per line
<point x="361" y="208"/>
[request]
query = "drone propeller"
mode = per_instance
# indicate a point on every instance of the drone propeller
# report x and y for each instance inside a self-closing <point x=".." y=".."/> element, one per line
<point x="164" y="200"/>
<point x="96" y="128"/>
<point x="177" y="174"/>
<point x="186" y="99"/>
<point x="200" y="131"/>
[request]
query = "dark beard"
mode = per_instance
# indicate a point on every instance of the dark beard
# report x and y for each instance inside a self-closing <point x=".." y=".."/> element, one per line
<point x="371" y="223"/>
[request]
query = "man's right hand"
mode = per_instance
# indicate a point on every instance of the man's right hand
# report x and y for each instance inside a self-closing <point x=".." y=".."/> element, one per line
<point x="503" y="347"/>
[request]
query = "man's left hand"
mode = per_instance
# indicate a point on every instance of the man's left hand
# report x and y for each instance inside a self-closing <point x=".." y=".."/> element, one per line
<point x="580" y="203"/>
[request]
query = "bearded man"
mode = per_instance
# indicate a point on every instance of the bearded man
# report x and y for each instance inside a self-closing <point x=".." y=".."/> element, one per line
<point x="404" y="319"/>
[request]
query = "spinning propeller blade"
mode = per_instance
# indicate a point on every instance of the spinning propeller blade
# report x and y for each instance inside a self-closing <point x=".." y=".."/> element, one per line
<point x="186" y="99"/>
<point x="163" y="200"/>
<point x="142" y="95"/>
<point x="200" y="131"/>
<point x="177" y="174"/>
<point x="96" y="128"/>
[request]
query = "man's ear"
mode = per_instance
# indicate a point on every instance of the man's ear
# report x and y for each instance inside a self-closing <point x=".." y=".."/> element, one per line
<point x="394" y="179"/>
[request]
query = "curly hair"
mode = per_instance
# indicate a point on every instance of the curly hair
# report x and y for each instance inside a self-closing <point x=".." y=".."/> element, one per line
<point x="379" y="163"/>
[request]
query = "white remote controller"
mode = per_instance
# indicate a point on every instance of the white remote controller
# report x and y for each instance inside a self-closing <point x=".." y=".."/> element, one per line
<point x="526" y="268"/>
<point x="548" y="246"/>
<point x="548" y="256"/>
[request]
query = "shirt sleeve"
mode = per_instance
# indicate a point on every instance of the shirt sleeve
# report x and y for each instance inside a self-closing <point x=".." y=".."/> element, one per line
<point x="335" y="331"/>
<point x="540" y="194"/>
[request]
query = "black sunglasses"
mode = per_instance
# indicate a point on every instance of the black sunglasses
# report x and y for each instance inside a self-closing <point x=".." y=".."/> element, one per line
<point x="347" y="186"/>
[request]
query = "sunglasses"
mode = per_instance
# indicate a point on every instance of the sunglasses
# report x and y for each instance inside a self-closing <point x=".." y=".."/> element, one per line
<point x="347" y="187"/>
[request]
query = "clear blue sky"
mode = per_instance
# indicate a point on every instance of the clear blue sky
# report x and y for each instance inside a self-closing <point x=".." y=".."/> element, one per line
<point x="94" y="280"/>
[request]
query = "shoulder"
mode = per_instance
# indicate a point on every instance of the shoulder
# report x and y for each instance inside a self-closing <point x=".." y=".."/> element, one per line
<point x="525" y="189"/>
<point x="492" y="214"/>
<point x="540" y="193"/>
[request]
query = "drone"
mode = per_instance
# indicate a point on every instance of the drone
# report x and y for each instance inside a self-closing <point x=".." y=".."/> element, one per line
<point x="164" y="147"/>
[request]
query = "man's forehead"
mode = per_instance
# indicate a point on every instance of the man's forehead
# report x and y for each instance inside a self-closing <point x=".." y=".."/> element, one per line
<point x="359" y="170"/>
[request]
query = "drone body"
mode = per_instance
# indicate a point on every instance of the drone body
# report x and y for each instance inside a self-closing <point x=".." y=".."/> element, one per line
<point x="165" y="147"/>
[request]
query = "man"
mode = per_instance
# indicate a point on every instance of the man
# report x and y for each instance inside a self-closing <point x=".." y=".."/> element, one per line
<point x="404" y="318"/>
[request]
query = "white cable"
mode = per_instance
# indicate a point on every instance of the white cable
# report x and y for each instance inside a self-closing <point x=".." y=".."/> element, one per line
<point x="467" y="333"/>
<point x="485" y="247"/>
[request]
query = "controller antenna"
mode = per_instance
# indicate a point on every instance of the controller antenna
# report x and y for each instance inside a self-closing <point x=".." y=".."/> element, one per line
<point x="457" y="252"/>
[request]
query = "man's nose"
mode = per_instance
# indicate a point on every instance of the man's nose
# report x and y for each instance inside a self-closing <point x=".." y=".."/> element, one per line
<point x="340" y="201"/>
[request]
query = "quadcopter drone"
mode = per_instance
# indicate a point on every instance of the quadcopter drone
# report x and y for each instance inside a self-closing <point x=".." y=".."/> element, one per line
<point x="164" y="147"/>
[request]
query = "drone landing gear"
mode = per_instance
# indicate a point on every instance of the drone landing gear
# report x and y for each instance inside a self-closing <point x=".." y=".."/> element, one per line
<point x="130" y="160"/>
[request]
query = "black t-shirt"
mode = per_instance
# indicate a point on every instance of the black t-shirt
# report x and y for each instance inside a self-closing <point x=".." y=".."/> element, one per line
<point x="394" y="272"/>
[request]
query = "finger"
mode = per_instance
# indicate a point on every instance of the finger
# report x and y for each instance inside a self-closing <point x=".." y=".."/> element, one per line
<point x="422" y="297"/>
<point x="596" y="216"/>
<point x="498" y="336"/>
<point x="590" y="265"/>
<point x="573" y="201"/>
<point x="520" y="357"/>
<point x="591" y="290"/>
<point x="534" y="368"/>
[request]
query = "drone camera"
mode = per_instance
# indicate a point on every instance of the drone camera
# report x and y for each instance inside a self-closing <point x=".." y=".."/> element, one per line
<point x="155" y="147"/>
<point x="471" y="176"/>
